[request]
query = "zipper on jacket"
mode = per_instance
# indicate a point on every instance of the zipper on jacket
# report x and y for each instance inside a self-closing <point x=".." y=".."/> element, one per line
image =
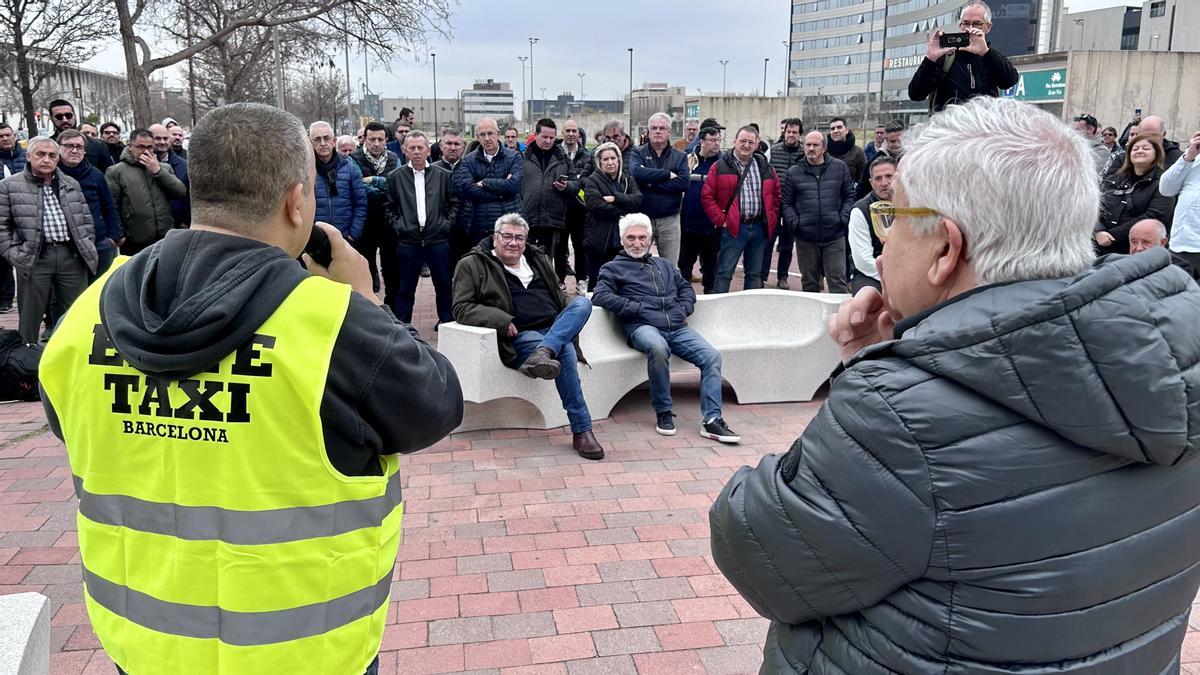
<point x="971" y="73"/>
<point x="659" y="292"/>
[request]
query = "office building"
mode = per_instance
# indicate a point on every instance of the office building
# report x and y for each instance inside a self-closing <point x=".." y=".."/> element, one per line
<point x="1170" y="26"/>
<point x="427" y="117"/>
<point x="565" y="105"/>
<point x="487" y="98"/>
<point x="835" y="53"/>
<point x="1111" y="28"/>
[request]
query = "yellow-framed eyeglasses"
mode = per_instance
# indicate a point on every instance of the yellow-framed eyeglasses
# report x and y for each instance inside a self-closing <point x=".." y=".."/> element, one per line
<point x="883" y="216"/>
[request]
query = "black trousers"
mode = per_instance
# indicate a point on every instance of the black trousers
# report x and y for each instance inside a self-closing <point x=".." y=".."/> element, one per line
<point x="702" y="246"/>
<point x="596" y="259"/>
<point x="8" y="284"/>
<point x="575" y="223"/>
<point x="378" y="246"/>
<point x="786" y="238"/>
<point x="549" y="239"/>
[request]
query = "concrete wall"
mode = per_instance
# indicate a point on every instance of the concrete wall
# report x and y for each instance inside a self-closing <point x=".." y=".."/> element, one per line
<point x="1110" y="85"/>
<point x="737" y="111"/>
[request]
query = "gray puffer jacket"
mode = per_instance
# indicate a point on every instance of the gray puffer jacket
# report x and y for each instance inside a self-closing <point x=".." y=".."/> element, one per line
<point x="21" y="234"/>
<point x="1010" y="487"/>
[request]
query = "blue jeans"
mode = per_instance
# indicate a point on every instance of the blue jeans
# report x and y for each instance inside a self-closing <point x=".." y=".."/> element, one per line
<point x="372" y="668"/>
<point x="409" y="259"/>
<point x="687" y="344"/>
<point x="752" y="239"/>
<point x="557" y="338"/>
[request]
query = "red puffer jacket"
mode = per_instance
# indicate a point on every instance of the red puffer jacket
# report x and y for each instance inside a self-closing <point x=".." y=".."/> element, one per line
<point x="722" y="181"/>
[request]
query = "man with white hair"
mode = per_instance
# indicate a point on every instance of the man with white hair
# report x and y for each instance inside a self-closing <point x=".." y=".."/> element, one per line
<point x="46" y="234"/>
<point x="1149" y="234"/>
<point x="661" y="172"/>
<point x="653" y="300"/>
<point x="346" y="145"/>
<point x="341" y="193"/>
<point x="1007" y="454"/>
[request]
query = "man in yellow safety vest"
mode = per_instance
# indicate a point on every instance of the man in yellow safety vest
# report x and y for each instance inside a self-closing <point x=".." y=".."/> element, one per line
<point x="233" y="423"/>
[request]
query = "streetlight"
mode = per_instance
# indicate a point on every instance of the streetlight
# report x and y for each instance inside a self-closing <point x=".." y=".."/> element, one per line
<point x="581" y="76"/>
<point x="1155" y="48"/>
<point x="532" y="42"/>
<point x="724" y="66"/>
<point x="631" y="89"/>
<point x="787" y="64"/>
<point x="764" y="91"/>
<point x="435" y="104"/>
<point x="523" y="59"/>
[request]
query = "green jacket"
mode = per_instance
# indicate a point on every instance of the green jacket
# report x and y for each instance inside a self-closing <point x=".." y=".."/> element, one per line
<point x="481" y="296"/>
<point x="143" y="200"/>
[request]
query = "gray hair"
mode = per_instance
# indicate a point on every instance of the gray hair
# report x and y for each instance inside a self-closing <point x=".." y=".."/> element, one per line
<point x="231" y="187"/>
<point x="315" y="125"/>
<point x="612" y="125"/>
<point x="39" y="140"/>
<point x="635" y="220"/>
<point x="416" y="133"/>
<point x="658" y="115"/>
<point x="604" y="147"/>
<point x="513" y="219"/>
<point x="1018" y="181"/>
<point x="346" y="138"/>
<point x="987" y="11"/>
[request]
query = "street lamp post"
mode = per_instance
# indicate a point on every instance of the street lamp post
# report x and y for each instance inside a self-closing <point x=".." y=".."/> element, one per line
<point x="764" y="91"/>
<point x="724" y="67"/>
<point x="523" y="59"/>
<point x="581" y="76"/>
<point x="532" y="42"/>
<point x="435" y="102"/>
<point x="787" y="63"/>
<point x="631" y="89"/>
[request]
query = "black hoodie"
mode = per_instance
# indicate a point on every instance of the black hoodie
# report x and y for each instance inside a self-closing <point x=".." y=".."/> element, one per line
<point x="185" y="303"/>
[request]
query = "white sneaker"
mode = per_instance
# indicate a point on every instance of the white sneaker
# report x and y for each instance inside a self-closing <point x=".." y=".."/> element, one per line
<point x="581" y="287"/>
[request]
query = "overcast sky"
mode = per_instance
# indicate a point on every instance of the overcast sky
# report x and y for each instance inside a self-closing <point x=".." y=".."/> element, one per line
<point x="671" y="48"/>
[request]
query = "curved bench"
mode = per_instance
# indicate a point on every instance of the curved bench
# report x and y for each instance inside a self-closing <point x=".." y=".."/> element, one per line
<point x="773" y="343"/>
<point x="25" y="634"/>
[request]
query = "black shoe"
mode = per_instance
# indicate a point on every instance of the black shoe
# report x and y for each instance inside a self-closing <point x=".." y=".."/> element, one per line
<point x="5" y="309"/>
<point x="666" y="425"/>
<point x="717" y="430"/>
<point x="586" y="445"/>
<point x="541" y="364"/>
<point x="424" y="273"/>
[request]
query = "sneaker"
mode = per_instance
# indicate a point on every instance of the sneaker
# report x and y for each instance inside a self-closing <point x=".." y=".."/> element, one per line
<point x="782" y="285"/>
<point x="581" y="286"/>
<point x="696" y="279"/>
<point x="5" y="309"/>
<point x="717" y="430"/>
<point x="666" y="423"/>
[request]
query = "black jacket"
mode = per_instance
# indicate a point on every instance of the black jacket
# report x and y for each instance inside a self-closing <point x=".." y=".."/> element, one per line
<point x="579" y="167"/>
<point x="377" y="193"/>
<point x="817" y="200"/>
<point x="1125" y="200"/>
<point x="542" y="205"/>
<point x="97" y="153"/>
<point x="784" y="158"/>
<point x="602" y="217"/>
<point x="441" y="206"/>
<point x="1009" y="487"/>
<point x="646" y="291"/>
<point x="185" y="303"/>
<point x="970" y="76"/>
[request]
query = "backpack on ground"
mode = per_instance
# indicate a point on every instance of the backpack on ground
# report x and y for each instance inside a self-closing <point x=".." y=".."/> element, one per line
<point x="18" y="368"/>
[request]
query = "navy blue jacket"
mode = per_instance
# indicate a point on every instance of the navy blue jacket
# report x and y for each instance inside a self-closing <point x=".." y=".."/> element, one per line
<point x="660" y="194"/>
<point x="500" y="193"/>
<point x="644" y="291"/>
<point x="105" y="218"/>
<point x="14" y="159"/>
<point x="346" y="210"/>
<point x="181" y="209"/>
<point x="693" y="218"/>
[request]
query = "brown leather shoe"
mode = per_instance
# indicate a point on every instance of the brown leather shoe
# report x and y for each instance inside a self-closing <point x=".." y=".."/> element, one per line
<point x="541" y="364"/>
<point x="782" y="284"/>
<point x="586" y="445"/>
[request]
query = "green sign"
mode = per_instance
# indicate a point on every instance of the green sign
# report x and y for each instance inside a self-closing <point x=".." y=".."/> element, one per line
<point x="692" y="111"/>
<point x="1040" y="85"/>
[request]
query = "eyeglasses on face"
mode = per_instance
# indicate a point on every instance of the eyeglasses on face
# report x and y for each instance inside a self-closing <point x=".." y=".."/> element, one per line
<point x="72" y="147"/>
<point x="884" y="215"/>
<point x="972" y="24"/>
<point x="508" y="237"/>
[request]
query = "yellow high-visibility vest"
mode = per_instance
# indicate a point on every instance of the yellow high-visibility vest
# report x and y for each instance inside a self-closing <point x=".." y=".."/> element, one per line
<point x="215" y="535"/>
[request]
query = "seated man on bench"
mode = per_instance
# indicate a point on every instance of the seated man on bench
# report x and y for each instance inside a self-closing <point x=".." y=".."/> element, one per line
<point x="654" y="300"/>
<point x="505" y="285"/>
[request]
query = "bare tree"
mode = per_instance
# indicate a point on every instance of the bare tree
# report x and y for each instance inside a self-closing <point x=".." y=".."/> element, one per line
<point x="320" y="95"/>
<point x="39" y="37"/>
<point x="380" y="28"/>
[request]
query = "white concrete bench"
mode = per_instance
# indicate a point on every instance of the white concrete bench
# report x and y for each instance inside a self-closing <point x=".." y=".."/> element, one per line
<point x="25" y="634"/>
<point x="774" y="348"/>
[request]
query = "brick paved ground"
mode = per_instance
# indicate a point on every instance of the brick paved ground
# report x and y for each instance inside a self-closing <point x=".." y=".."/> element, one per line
<point x="518" y="556"/>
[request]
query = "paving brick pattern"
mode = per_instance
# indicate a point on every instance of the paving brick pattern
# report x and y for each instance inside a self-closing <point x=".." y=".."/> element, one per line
<point x="518" y="556"/>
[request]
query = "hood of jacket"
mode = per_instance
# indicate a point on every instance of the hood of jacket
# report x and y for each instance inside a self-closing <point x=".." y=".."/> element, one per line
<point x="182" y="305"/>
<point x="1106" y="359"/>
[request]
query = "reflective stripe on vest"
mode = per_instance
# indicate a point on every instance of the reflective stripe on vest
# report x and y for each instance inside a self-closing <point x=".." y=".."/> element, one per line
<point x="214" y="533"/>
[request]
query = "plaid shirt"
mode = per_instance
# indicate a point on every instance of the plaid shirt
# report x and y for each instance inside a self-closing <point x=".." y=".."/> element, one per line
<point x="750" y="205"/>
<point x="54" y="221"/>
